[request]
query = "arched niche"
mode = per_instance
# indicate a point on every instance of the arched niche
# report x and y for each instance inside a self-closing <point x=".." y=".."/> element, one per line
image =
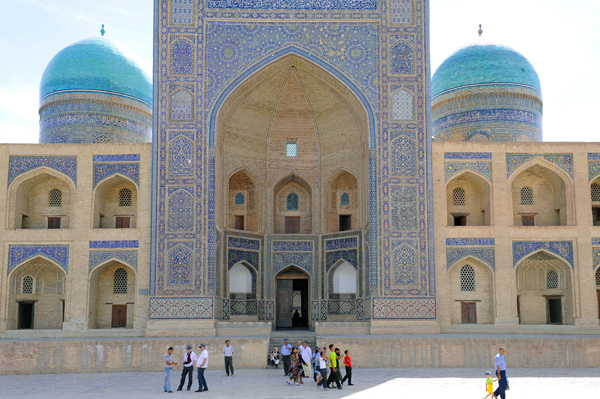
<point x="32" y="204"/>
<point x="550" y="203"/>
<point x="41" y="304"/>
<point x="544" y="290"/>
<point x="115" y="204"/>
<point x="468" y="200"/>
<point x="290" y="100"/>
<point x="342" y="202"/>
<point x="111" y="297"/>
<point x="342" y="288"/>
<point x="243" y="205"/>
<point x="292" y="206"/>
<point x="595" y="200"/>
<point x="471" y="292"/>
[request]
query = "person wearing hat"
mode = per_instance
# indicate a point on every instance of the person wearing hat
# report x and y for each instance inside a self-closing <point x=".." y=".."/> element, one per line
<point x="489" y="385"/>
<point x="201" y="365"/>
<point x="188" y="368"/>
<point x="286" y="354"/>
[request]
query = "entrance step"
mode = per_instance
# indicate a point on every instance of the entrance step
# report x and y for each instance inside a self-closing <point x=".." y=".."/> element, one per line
<point x="277" y="337"/>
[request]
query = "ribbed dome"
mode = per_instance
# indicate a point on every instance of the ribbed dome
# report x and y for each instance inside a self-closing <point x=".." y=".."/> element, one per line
<point x="484" y="65"/>
<point x="95" y="64"/>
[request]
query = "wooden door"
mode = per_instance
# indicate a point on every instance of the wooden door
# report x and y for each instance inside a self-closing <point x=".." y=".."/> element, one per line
<point x="54" y="222"/>
<point x="119" y="316"/>
<point x="123" y="222"/>
<point x="292" y="224"/>
<point x="284" y="303"/>
<point x="469" y="312"/>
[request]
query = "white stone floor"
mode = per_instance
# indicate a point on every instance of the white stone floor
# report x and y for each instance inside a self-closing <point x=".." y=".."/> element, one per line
<point x="249" y="384"/>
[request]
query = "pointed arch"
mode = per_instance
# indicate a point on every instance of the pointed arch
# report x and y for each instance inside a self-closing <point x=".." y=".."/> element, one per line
<point x="107" y="209"/>
<point x="244" y="199"/>
<point x="300" y="219"/>
<point x="475" y="209"/>
<point x="471" y="281"/>
<point x="552" y="192"/>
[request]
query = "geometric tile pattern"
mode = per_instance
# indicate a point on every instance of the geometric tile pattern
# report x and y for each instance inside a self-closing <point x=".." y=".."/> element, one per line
<point x="351" y="256"/>
<point x="181" y="156"/>
<point x="314" y="311"/>
<point x="116" y="158"/>
<point x="404" y="308"/>
<point x="341" y="243"/>
<point x="595" y="256"/>
<point x="404" y="207"/>
<point x="284" y="259"/>
<point x="59" y="254"/>
<point x="243" y="307"/>
<point x="180" y="211"/>
<point x="21" y="164"/>
<point x="225" y="309"/>
<point x="401" y="12"/>
<point x="359" y="309"/>
<point x="323" y="310"/>
<point x="470" y="241"/>
<point x="115" y="244"/>
<point x="515" y="160"/>
<point x="180" y="264"/>
<point x="341" y="307"/>
<point x="467" y="155"/>
<point x="406" y="269"/>
<point x="163" y="308"/>
<point x="270" y="310"/>
<point x="124" y="256"/>
<point x="564" y="249"/>
<point x="402" y="106"/>
<point x="236" y="255"/>
<point x="183" y="12"/>
<point x="183" y="54"/>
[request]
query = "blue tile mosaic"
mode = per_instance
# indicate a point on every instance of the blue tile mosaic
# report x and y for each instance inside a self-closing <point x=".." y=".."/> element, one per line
<point x="295" y="4"/>
<point x="595" y="241"/>
<point x="414" y="308"/>
<point x="403" y="160"/>
<point x="402" y="54"/>
<point x="470" y="241"/>
<point x="564" y="249"/>
<point x="18" y="165"/>
<point x="467" y="155"/>
<point x="341" y="243"/>
<point x="351" y="256"/>
<point x="243" y="243"/>
<point x="486" y="255"/>
<point x="18" y="254"/>
<point x="117" y="158"/>
<point x="515" y="160"/>
<point x="237" y="255"/>
<point x="293" y="246"/>
<point x="105" y="170"/>
<point x="484" y="169"/>
<point x="115" y="244"/>
<point x="180" y="308"/>
<point x="129" y="258"/>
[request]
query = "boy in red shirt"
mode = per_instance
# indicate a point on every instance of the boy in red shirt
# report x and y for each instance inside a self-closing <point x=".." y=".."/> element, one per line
<point x="348" y="364"/>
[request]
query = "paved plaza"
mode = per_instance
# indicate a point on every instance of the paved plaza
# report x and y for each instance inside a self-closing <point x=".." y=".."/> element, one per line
<point x="248" y="384"/>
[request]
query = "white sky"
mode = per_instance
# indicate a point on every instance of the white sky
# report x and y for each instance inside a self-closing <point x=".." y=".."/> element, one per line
<point x="561" y="39"/>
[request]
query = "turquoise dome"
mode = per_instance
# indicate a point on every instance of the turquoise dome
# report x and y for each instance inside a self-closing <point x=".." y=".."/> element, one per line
<point x="484" y="65"/>
<point x="96" y="64"/>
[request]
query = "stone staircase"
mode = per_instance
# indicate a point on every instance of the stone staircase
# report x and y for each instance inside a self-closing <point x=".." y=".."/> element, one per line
<point x="277" y="337"/>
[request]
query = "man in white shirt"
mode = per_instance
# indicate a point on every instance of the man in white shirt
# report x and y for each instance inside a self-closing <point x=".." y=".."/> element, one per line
<point x="201" y="365"/>
<point x="307" y="358"/>
<point x="286" y="354"/>
<point x="188" y="368"/>
<point x="228" y="352"/>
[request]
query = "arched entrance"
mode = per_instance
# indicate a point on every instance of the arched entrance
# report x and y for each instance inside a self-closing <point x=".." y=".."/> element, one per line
<point x="293" y="292"/>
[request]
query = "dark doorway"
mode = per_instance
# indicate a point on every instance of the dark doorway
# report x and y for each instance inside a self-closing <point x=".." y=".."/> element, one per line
<point x="554" y="311"/>
<point x="460" y="220"/>
<point x="54" y="222"/>
<point x="345" y="222"/>
<point x="469" y="312"/>
<point x="292" y="300"/>
<point x="239" y="222"/>
<point x="119" y="316"/>
<point x="292" y="224"/>
<point x="26" y="312"/>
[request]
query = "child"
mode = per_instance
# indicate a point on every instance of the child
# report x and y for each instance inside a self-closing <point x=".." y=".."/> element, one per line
<point x="489" y="385"/>
<point x="322" y="380"/>
<point x="348" y="364"/>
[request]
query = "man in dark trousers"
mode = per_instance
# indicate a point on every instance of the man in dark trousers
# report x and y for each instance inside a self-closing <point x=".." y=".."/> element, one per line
<point x="188" y="367"/>
<point x="286" y="354"/>
<point x="333" y="377"/>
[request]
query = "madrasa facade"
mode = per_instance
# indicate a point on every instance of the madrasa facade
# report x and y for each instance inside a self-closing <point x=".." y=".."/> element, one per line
<point x="293" y="164"/>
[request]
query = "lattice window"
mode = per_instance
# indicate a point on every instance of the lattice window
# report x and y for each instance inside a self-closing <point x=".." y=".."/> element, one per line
<point x="526" y="196"/>
<point x="345" y="199"/>
<point x="292" y="202"/>
<point x="239" y="199"/>
<point x="402" y="106"/>
<point x="120" y="281"/>
<point x="458" y="196"/>
<point x="598" y="277"/>
<point x="467" y="278"/>
<point x="55" y="198"/>
<point x="297" y="300"/>
<point x="291" y="148"/>
<point x="27" y="285"/>
<point x="595" y="192"/>
<point x="552" y="279"/>
<point x="125" y="197"/>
